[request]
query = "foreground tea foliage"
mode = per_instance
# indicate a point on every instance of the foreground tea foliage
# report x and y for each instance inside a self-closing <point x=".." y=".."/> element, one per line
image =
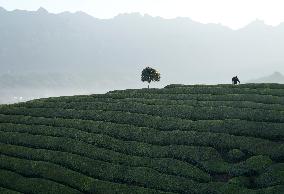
<point x="179" y="139"/>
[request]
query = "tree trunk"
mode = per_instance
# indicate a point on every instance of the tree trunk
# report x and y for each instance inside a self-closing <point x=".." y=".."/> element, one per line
<point x="148" y="86"/>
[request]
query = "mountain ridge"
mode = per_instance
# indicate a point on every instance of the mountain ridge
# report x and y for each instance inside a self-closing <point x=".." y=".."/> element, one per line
<point x="78" y="39"/>
<point x="276" y="77"/>
<point x="45" y="11"/>
<point x="184" y="51"/>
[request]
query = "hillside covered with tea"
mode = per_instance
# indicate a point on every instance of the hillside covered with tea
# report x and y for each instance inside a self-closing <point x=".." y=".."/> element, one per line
<point x="196" y="139"/>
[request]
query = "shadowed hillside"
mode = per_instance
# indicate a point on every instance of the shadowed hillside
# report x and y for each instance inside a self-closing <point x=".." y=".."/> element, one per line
<point x="179" y="139"/>
<point x="76" y="43"/>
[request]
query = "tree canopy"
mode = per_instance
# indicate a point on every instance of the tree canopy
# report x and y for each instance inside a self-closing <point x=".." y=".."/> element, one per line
<point x="149" y="74"/>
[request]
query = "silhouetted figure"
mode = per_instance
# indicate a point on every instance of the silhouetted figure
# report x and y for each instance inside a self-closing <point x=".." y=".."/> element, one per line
<point x="235" y="80"/>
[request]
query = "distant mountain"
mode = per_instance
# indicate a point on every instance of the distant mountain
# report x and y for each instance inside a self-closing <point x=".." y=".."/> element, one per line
<point x="183" y="50"/>
<point x="43" y="54"/>
<point x="276" y="77"/>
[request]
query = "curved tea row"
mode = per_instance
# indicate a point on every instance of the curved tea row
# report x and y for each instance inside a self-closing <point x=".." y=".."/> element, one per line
<point x="180" y="139"/>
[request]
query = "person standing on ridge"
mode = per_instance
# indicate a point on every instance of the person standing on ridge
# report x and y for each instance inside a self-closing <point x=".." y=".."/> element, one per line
<point x="235" y="80"/>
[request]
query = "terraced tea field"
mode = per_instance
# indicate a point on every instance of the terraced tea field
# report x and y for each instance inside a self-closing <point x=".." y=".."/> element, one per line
<point x="179" y="139"/>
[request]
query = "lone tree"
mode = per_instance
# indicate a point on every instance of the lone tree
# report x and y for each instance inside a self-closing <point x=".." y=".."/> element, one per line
<point x="149" y="74"/>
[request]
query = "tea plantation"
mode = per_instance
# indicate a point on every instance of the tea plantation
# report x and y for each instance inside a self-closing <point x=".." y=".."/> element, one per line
<point x="200" y="139"/>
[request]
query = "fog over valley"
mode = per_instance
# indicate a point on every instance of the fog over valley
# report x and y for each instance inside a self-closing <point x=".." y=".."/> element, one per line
<point x="44" y="54"/>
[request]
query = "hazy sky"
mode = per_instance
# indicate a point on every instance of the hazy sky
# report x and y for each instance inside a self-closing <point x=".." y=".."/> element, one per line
<point x="232" y="13"/>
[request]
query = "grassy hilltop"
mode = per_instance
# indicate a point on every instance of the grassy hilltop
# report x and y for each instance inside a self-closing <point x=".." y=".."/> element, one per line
<point x="180" y="139"/>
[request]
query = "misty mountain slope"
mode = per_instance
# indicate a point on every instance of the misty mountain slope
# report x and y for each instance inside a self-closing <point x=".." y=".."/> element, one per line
<point x="27" y="86"/>
<point x="180" y="139"/>
<point x="183" y="50"/>
<point x="276" y="77"/>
